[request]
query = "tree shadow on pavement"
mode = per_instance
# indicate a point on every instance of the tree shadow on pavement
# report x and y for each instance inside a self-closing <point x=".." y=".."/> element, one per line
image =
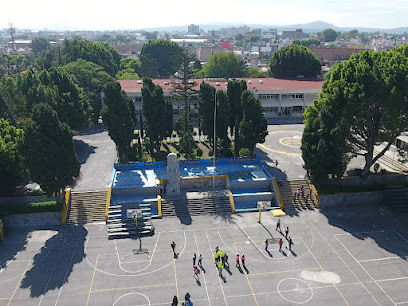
<point x="53" y="264"/>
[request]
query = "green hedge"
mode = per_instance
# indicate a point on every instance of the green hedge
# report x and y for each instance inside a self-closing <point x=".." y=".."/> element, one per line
<point x="30" y="208"/>
<point x="331" y="189"/>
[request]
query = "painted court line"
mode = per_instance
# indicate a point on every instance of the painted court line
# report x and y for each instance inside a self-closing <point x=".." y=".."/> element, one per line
<point x="132" y="275"/>
<point x="311" y="253"/>
<point x="18" y="284"/>
<point x="365" y="270"/>
<point x="66" y="272"/>
<point x="379" y="259"/>
<point x="52" y="272"/>
<point x="131" y="288"/>
<point x="140" y="270"/>
<point x="391" y="279"/>
<point x="205" y="283"/>
<point x="352" y="272"/>
<point x="219" y="280"/>
<point x="12" y="260"/>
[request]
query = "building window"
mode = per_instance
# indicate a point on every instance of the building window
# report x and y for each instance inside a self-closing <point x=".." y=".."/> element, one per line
<point x="176" y="111"/>
<point x="298" y="109"/>
<point x="269" y="109"/>
<point x="267" y="96"/>
<point x="292" y="96"/>
<point x="138" y="99"/>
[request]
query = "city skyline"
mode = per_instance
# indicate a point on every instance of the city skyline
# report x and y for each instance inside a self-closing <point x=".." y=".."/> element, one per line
<point x="85" y="15"/>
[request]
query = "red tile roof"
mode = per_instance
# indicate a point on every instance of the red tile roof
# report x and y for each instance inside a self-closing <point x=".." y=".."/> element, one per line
<point x="258" y="83"/>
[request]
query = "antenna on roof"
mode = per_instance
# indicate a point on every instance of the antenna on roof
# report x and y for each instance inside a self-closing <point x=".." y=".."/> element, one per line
<point x="12" y="31"/>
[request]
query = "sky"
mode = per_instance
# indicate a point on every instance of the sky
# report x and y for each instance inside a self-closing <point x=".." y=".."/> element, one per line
<point x="137" y="14"/>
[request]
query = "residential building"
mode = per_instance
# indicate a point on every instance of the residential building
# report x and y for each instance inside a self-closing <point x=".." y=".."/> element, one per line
<point x="297" y="34"/>
<point x="194" y="29"/>
<point x="333" y="55"/>
<point x="279" y="98"/>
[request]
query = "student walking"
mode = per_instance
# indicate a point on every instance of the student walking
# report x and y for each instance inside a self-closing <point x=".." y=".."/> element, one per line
<point x="220" y="267"/>
<point x="286" y="232"/>
<point x="237" y="261"/>
<point x="266" y="245"/>
<point x="280" y="244"/>
<point x="298" y="193"/>
<point x="200" y="260"/>
<point x="302" y="190"/>
<point x="194" y="259"/>
<point x="290" y="243"/>
<point x="175" y="301"/>
<point x="195" y="274"/>
<point x="173" y="246"/>
<point x="278" y="225"/>
<point x="243" y="260"/>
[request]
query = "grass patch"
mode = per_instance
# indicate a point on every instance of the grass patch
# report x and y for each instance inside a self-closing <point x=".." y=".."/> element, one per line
<point x="30" y="208"/>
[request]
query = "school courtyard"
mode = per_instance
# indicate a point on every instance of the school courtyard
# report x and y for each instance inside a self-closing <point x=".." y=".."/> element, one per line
<point x="341" y="256"/>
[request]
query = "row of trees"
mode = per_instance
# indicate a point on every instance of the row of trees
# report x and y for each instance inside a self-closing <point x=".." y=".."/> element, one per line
<point x="363" y="103"/>
<point x="60" y="92"/>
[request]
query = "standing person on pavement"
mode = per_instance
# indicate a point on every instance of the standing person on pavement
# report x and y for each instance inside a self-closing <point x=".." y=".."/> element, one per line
<point x="266" y="245"/>
<point x="278" y="225"/>
<point x="194" y="259"/>
<point x="290" y="243"/>
<point x="200" y="260"/>
<point x="173" y="247"/>
<point x="280" y="244"/>
<point x="237" y="260"/>
<point x="287" y="232"/>
<point x="243" y="260"/>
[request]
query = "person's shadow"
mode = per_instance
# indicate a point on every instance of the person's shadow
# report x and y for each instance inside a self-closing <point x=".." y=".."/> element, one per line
<point x="246" y="269"/>
<point x="201" y="269"/>
<point x="270" y="254"/>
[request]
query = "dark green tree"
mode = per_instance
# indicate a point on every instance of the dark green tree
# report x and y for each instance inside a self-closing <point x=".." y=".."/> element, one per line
<point x="157" y="113"/>
<point x="97" y="53"/>
<point x="368" y="97"/>
<point x="11" y="163"/>
<point x="70" y="101"/>
<point x="329" y="35"/>
<point x="184" y="93"/>
<point x="224" y="143"/>
<point x="253" y="127"/>
<point x="166" y="53"/>
<point x="40" y="45"/>
<point x="13" y="103"/>
<point x="118" y="119"/>
<point x="234" y="92"/>
<point x="206" y="109"/>
<point x="92" y="78"/>
<point x="225" y="65"/>
<point x="294" y="60"/>
<point x="49" y="151"/>
<point x="150" y="66"/>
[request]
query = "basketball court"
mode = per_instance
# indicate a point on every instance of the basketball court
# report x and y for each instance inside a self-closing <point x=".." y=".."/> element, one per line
<point x="328" y="265"/>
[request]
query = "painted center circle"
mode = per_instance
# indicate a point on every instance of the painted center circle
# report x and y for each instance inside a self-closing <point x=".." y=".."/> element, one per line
<point x="295" y="291"/>
<point x="293" y="142"/>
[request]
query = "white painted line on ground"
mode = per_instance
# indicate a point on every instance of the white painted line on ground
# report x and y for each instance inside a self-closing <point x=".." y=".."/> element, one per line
<point x="365" y="270"/>
<point x="338" y="255"/>
<point x="401" y="236"/>
<point x="197" y="230"/>
<point x="52" y="272"/>
<point x="400" y="303"/>
<point x="132" y="275"/>
<point x="391" y="279"/>
<point x="66" y="272"/>
<point x="7" y="280"/>
<point x="131" y="294"/>
<point x="205" y="282"/>
<point x="379" y="259"/>
<point x="291" y="290"/>
<point x="353" y="233"/>
<point x="219" y="279"/>
<point x="140" y="270"/>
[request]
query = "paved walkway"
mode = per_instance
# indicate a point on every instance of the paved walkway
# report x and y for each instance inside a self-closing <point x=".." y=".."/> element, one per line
<point x="97" y="153"/>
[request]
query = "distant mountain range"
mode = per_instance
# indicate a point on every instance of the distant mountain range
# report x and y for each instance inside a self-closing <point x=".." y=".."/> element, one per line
<point x="311" y="27"/>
